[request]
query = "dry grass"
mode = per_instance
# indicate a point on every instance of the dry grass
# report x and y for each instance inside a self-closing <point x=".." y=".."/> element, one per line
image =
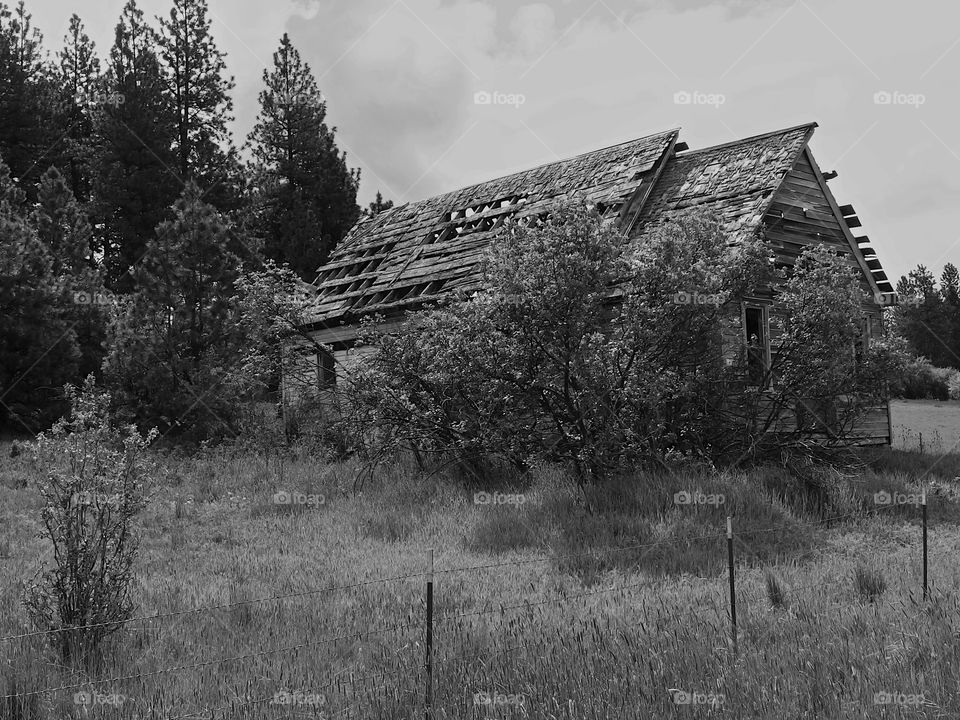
<point x="546" y="625"/>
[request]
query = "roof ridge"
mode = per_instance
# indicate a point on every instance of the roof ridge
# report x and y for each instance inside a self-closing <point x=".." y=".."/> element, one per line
<point x="543" y="165"/>
<point x="752" y="138"/>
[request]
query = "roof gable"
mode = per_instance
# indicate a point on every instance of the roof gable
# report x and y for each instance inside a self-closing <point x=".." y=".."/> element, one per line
<point x="737" y="180"/>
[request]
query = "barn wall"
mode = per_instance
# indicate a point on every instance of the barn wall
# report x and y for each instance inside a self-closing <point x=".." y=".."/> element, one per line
<point x="801" y="216"/>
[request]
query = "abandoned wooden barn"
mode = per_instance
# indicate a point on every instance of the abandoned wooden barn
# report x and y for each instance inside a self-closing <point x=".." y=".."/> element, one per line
<point x="420" y="252"/>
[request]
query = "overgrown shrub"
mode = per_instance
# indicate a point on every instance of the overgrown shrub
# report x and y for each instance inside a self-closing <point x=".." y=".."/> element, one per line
<point x="920" y="380"/>
<point x="91" y="476"/>
<point x="602" y="354"/>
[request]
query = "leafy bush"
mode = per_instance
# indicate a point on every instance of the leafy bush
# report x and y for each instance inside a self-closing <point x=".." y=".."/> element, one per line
<point x="920" y="380"/>
<point x="90" y="475"/>
<point x="953" y="385"/>
<point x="603" y="354"/>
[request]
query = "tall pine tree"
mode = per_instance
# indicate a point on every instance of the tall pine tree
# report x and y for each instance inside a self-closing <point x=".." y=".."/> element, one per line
<point x="307" y="194"/>
<point x="378" y="205"/>
<point x="199" y="93"/>
<point x="28" y="127"/>
<point x="135" y="175"/>
<point x="38" y="342"/>
<point x="77" y="76"/>
<point x="62" y="228"/>
<point x="174" y="343"/>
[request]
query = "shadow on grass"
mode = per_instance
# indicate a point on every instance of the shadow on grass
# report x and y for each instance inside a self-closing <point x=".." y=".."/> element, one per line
<point x="665" y="524"/>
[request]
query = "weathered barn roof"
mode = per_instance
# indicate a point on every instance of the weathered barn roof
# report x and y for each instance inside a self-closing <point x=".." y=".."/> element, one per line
<point x="411" y="253"/>
<point x="736" y="180"/>
<point x="417" y="252"/>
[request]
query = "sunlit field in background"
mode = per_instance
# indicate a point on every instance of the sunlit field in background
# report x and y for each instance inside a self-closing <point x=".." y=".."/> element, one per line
<point x="928" y="426"/>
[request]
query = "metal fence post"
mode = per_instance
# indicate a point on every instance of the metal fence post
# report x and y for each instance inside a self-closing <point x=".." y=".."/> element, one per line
<point x="733" y="592"/>
<point x="429" y="642"/>
<point x="924" y="503"/>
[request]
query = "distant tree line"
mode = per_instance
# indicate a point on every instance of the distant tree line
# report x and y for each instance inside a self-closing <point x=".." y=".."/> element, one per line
<point x="928" y="317"/>
<point x="128" y="214"/>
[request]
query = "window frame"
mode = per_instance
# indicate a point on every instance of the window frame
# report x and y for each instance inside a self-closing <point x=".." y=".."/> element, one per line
<point x="326" y="369"/>
<point x="764" y="308"/>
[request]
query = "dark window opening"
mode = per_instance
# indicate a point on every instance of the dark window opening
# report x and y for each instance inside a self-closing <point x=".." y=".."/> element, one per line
<point x="861" y="343"/>
<point x="326" y="370"/>
<point x="757" y="344"/>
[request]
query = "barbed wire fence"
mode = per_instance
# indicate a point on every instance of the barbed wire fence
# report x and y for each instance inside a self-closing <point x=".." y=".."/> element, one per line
<point x="424" y="669"/>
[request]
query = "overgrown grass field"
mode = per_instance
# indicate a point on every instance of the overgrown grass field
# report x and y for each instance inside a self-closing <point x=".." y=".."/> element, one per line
<point x="549" y="603"/>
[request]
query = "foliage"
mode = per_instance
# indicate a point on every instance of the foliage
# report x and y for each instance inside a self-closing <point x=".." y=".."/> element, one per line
<point x="199" y="95"/>
<point x="64" y="229"/>
<point x="39" y="349"/>
<point x="378" y="205"/>
<point x="604" y="354"/>
<point x="76" y="77"/>
<point x="134" y="184"/>
<point x="28" y="129"/>
<point x="90" y="475"/>
<point x="820" y="373"/>
<point x="928" y="315"/>
<point x="306" y="194"/>
<point x="174" y="344"/>
<point x="920" y="380"/>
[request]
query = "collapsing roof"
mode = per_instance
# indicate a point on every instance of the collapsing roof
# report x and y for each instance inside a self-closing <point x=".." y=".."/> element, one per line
<point x="420" y="251"/>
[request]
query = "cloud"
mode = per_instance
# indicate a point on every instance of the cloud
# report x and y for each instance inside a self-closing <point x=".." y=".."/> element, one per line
<point x="397" y="78"/>
<point x="534" y="28"/>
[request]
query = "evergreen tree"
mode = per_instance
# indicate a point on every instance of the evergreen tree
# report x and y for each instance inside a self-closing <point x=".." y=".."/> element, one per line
<point x="926" y="318"/>
<point x="950" y="285"/>
<point x="173" y="343"/>
<point x="379" y="205"/>
<point x="62" y="226"/>
<point x="135" y="168"/>
<point x="63" y="229"/>
<point x="77" y="76"/>
<point x="199" y="94"/>
<point x="27" y="127"/>
<point x="307" y="194"/>
<point x="38" y="344"/>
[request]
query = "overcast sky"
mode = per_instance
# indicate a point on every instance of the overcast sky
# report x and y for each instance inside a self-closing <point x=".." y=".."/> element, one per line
<point x="401" y="80"/>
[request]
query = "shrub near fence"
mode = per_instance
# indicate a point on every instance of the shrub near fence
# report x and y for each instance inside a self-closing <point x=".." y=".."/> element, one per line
<point x="443" y="663"/>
